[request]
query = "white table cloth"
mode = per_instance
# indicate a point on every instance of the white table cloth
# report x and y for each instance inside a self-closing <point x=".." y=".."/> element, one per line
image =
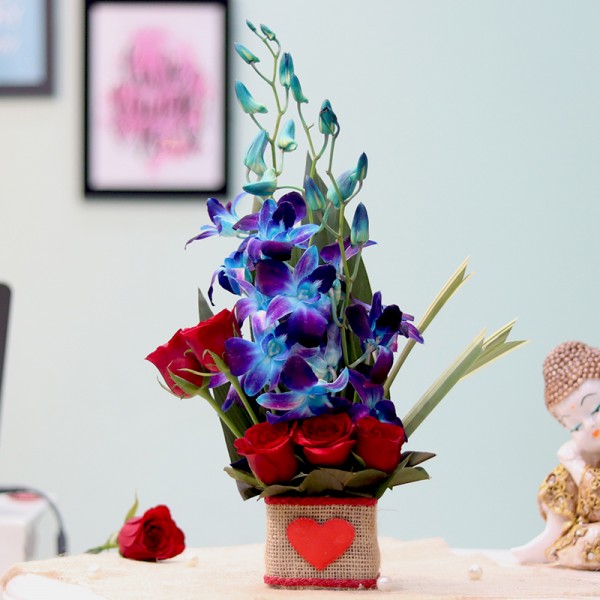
<point x="419" y="570"/>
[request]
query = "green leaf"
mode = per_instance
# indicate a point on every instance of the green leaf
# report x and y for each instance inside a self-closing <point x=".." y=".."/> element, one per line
<point x="414" y="458"/>
<point x="402" y="476"/>
<point x="323" y="480"/>
<point x="448" y="290"/>
<point x="278" y="490"/>
<point x="204" y="310"/>
<point x="443" y="384"/>
<point x="364" y="479"/>
<point x="245" y="477"/>
<point x="496" y="346"/>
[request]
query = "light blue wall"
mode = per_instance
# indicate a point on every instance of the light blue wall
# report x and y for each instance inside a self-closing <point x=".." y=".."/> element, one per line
<point x="481" y="123"/>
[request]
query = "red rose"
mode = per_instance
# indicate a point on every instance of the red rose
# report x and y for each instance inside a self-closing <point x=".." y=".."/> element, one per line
<point x="172" y="357"/>
<point x="379" y="444"/>
<point x="211" y="335"/>
<point x="269" y="451"/>
<point x="326" y="440"/>
<point x="153" y="536"/>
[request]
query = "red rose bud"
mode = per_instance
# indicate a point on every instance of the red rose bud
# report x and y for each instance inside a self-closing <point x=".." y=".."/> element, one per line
<point x="379" y="444"/>
<point x="326" y="439"/>
<point x="172" y="357"/>
<point x="211" y="335"/>
<point x="153" y="536"/>
<point x="269" y="451"/>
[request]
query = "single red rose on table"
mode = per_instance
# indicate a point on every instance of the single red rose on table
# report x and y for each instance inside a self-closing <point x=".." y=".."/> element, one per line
<point x="326" y="440"/>
<point x="153" y="536"/>
<point x="379" y="444"/>
<point x="269" y="451"/>
<point x="210" y="335"/>
<point x="175" y="357"/>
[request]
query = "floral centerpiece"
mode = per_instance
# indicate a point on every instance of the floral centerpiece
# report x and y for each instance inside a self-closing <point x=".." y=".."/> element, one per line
<point x="300" y="371"/>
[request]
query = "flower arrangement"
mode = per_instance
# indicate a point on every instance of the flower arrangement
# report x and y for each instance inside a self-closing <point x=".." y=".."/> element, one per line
<point x="300" y="371"/>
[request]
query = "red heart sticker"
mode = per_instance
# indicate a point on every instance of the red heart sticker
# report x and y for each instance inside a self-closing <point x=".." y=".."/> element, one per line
<point x="320" y="545"/>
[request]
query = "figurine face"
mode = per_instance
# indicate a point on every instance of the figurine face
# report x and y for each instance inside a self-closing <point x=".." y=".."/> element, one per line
<point x="579" y="412"/>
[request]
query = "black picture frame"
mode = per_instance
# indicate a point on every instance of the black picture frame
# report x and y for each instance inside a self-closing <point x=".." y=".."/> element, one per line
<point x="26" y="48"/>
<point x="155" y="98"/>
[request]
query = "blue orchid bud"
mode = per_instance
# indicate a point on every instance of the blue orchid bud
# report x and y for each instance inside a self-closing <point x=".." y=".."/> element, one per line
<point x="362" y="167"/>
<point x="265" y="187"/>
<point x="248" y="103"/>
<point x="337" y="291"/>
<point x="286" y="140"/>
<point x="314" y="197"/>
<point x="251" y="27"/>
<point x="286" y="70"/>
<point x="254" y="159"/>
<point x="268" y="32"/>
<point x="359" y="231"/>
<point x="328" y="123"/>
<point x="246" y="55"/>
<point x="297" y="90"/>
<point x="346" y="183"/>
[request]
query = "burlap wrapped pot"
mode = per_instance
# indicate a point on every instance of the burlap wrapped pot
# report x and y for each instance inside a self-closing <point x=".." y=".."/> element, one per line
<point x="321" y="542"/>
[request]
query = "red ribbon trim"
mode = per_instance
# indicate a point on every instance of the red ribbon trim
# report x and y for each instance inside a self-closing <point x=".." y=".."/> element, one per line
<point x="320" y="501"/>
<point x="368" y="584"/>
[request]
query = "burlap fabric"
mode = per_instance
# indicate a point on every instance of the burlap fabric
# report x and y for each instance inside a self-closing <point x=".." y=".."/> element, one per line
<point x="357" y="567"/>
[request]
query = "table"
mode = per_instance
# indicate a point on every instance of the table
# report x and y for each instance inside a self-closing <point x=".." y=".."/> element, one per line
<point x="419" y="570"/>
<point x="19" y="523"/>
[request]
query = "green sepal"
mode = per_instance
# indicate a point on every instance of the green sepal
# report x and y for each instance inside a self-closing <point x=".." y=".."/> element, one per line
<point x="219" y="362"/>
<point x="131" y="512"/>
<point x="187" y="387"/>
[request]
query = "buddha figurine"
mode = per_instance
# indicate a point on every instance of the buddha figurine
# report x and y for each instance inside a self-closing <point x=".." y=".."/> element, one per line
<point x="569" y="498"/>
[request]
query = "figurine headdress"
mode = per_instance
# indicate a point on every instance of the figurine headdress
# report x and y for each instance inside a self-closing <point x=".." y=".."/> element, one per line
<point x="566" y="367"/>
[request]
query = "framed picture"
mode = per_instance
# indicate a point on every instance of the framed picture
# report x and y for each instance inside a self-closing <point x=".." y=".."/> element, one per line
<point x="25" y="47"/>
<point x="155" y="98"/>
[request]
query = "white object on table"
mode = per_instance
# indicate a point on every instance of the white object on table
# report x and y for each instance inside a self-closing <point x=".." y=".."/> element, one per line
<point x="19" y="521"/>
<point x="36" y="587"/>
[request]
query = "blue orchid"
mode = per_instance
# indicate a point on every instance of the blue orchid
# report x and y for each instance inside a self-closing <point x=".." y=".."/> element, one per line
<point x="248" y="103"/>
<point x="369" y="388"/>
<point x="307" y="396"/>
<point x="223" y="217"/>
<point x="231" y="272"/>
<point x="276" y="231"/>
<point x="254" y="159"/>
<point x="324" y="361"/>
<point x="299" y="296"/>
<point x="331" y="253"/>
<point x="265" y="186"/>
<point x="258" y="363"/>
<point x="381" y="325"/>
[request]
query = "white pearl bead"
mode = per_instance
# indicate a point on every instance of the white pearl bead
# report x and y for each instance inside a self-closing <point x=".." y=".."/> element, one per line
<point x="384" y="584"/>
<point x="93" y="571"/>
<point x="475" y="572"/>
<point x="192" y="561"/>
